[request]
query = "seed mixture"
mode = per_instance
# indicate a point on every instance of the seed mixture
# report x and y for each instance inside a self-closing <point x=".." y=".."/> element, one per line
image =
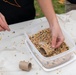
<point x="45" y="37"/>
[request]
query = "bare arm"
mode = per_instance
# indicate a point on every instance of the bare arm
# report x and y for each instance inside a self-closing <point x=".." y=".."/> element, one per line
<point x="47" y="8"/>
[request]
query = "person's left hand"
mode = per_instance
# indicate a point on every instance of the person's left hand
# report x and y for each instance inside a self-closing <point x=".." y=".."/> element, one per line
<point x="3" y="24"/>
<point x="57" y="36"/>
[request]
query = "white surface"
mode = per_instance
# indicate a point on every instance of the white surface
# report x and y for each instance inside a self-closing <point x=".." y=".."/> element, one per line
<point x="13" y="50"/>
<point x="69" y="21"/>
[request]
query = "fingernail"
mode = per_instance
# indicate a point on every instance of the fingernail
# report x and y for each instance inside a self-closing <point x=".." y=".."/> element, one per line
<point x="53" y="46"/>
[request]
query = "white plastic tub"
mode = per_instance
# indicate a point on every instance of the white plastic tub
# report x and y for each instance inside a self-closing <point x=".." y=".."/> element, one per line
<point x="53" y="62"/>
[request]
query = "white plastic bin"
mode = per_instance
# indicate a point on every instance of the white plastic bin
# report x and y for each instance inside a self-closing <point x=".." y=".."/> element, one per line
<point x="49" y="63"/>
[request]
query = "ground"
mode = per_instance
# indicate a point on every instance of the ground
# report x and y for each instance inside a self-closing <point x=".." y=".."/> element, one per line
<point x="59" y="7"/>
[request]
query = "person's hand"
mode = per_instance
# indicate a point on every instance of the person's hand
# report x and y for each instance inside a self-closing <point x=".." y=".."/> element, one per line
<point x="3" y="23"/>
<point x="57" y="36"/>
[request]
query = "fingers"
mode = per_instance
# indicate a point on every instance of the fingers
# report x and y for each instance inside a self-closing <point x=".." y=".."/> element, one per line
<point x="1" y="29"/>
<point x="3" y="18"/>
<point x="54" y="41"/>
<point x="59" y="42"/>
<point x="3" y="23"/>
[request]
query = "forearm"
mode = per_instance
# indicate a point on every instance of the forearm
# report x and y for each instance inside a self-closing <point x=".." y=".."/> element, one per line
<point x="57" y="36"/>
<point x="47" y="8"/>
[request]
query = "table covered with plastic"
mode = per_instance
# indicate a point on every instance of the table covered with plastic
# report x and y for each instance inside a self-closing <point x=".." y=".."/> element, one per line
<point x="13" y="48"/>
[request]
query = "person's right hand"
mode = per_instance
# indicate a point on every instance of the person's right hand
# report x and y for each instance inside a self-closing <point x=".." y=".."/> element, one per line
<point x="3" y="23"/>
